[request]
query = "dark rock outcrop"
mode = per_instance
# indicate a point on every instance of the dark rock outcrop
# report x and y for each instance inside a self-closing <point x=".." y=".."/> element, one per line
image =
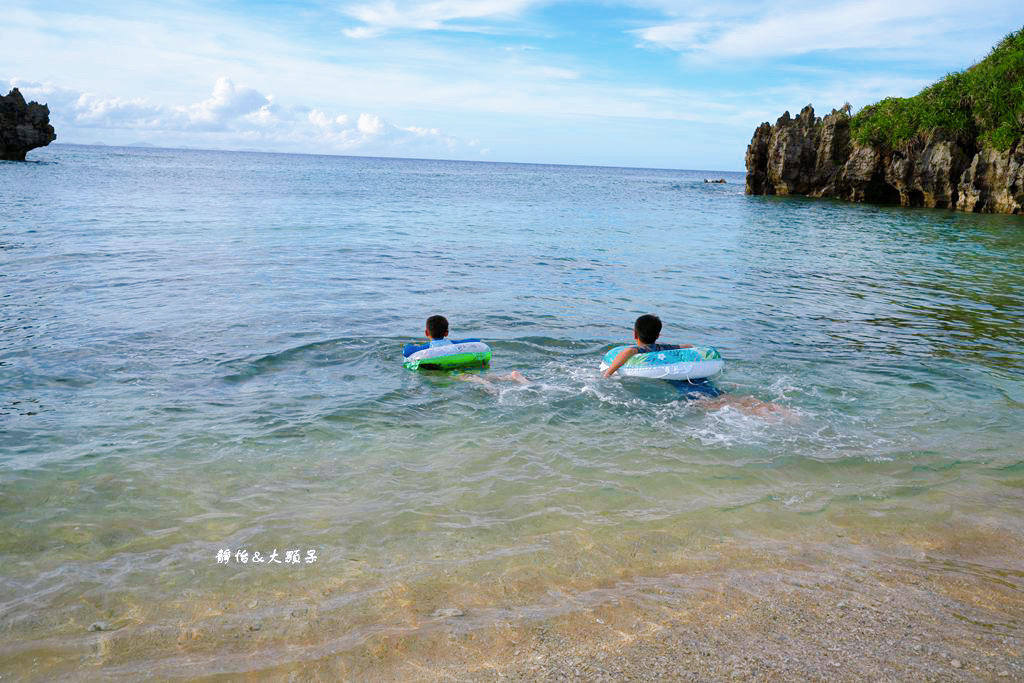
<point x="23" y="126"/>
<point x="816" y="157"/>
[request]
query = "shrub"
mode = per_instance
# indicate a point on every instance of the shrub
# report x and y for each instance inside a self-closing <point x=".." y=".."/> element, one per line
<point x="985" y="103"/>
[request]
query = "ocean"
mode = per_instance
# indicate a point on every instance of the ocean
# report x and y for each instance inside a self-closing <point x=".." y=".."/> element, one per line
<point x="200" y="361"/>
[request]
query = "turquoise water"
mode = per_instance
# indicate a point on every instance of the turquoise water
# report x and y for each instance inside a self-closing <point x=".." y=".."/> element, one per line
<point x="202" y="351"/>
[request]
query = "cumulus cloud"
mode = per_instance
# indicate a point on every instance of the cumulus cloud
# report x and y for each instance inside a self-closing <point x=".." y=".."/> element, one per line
<point x="227" y="104"/>
<point x="234" y="115"/>
<point x="58" y="98"/>
<point x="93" y="110"/>
<point x="73" y="108"/>
<point x="369" y="130"/>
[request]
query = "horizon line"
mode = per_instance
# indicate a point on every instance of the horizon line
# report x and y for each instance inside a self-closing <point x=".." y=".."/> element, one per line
<point x="145" y="146"/>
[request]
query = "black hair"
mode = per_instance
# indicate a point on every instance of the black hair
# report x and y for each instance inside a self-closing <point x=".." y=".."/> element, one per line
<point x="437" y="326"/>
<point x="647" y="328"/>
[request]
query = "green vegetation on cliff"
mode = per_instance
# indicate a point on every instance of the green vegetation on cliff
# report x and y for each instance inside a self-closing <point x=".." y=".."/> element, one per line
<point x="985" y="102"/>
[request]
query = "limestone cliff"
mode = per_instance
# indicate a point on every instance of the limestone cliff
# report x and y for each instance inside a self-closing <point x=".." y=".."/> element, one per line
<point x="815" y="156"/>
<point x="22" y="126"/>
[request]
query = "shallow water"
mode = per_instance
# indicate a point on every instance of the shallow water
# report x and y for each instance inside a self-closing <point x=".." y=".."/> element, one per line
<point x="201" y="351"/>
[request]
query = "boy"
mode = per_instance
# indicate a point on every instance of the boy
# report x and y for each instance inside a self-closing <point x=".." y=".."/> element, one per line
<point x="436" y="332"/>
<point x="646" y="331"/>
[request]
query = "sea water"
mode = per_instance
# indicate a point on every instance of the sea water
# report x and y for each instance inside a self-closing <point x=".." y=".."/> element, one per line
<point x="200" y="359"/>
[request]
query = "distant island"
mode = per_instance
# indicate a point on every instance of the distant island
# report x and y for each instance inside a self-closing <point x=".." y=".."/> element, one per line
<point x="958" y="144"/>
<point x="23" y="126"/>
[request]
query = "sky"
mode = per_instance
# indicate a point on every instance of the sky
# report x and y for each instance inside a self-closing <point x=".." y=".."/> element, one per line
<point x="641" y="83"/>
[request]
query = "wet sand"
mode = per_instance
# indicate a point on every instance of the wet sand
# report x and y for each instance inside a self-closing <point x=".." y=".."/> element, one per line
<point x="926" y="620"/>
<point x="857" y="607"/>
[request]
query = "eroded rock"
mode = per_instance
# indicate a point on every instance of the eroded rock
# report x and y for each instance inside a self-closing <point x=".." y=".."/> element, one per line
<point x="816" y="157"/>
<point x="23" y="126"/>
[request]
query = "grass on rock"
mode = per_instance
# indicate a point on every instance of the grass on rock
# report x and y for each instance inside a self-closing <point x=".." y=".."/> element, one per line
<point x="984" y="103"/>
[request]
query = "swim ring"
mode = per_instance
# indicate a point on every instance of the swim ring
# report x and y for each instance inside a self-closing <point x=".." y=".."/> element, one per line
<point x="459" y="354"/>
<point x="696" y="362"/>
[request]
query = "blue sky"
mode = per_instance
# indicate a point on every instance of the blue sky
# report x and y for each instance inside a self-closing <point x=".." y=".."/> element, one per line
<point x="650" y="83"/>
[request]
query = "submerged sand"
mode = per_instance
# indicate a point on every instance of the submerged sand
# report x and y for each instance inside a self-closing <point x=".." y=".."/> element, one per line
<point x="932" y="607"/>
<point x="922" y="621"/>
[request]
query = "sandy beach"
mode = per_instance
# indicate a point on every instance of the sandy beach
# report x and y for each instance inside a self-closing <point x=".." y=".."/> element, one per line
<point x="856" y="607"/>
<point x="866" y="618"/>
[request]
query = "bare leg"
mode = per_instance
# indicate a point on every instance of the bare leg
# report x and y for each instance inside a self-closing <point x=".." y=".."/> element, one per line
<point x="487" y="381"/>
<point x="477" y="379"/>
<point x="514" y="376"/>
<point x="749" y="405"/>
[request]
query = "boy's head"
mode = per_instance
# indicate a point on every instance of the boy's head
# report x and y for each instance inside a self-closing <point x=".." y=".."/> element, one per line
<point x="647" y="328"/>
<point x="437" y="327"/>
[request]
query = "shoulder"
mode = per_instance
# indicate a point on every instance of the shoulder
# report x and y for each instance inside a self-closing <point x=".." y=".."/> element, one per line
<point x="654" y="348"/>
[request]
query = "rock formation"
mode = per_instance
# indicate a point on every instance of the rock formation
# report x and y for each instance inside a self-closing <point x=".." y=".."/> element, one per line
<point x="816" y="157"/>
<point x="22" y="126"/>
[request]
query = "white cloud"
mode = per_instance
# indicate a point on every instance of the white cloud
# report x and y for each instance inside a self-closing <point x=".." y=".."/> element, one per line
<point x="369" y="125"/>
<point x="370" y="130"/>
<point x="46" y="93"/>
<point x="227" y="104"/>
<point x="766" y="31"/>
<point x="678" y="36"/>
<point x="93" y="110"/>
<point x="361" y="32"/>
<point x="233" y="116"/>
<point x="409" y="77"/>
<point x="860" y="25"/>
<point x="73" y="108"/>
<point x="386" y="15"/>
<point x="147" y="70"/>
